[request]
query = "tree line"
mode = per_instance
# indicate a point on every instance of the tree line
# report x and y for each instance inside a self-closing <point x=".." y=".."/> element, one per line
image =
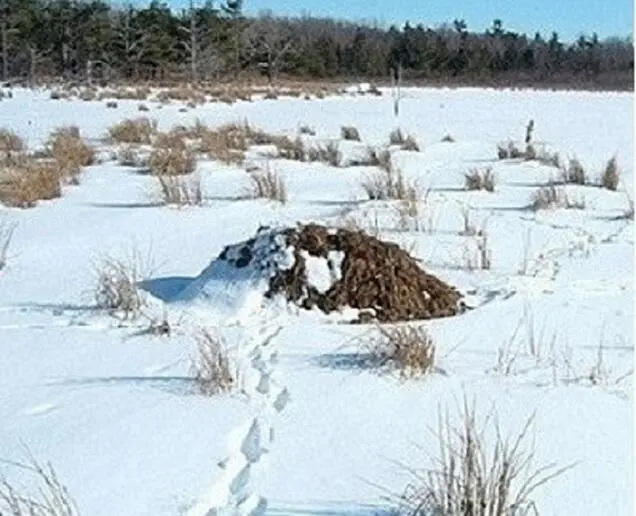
<point x="92" y="40"/>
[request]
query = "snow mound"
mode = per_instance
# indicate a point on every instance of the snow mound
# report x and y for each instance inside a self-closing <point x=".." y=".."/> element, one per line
<point x="333" y="270"/>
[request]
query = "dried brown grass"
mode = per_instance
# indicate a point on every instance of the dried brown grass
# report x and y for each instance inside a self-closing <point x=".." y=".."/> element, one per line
<point x="267" y="184"/>
<point x="407" y="349"/>
<point x="138" y="130"/>
<point x="611" y="175"/>
<point x="349" y="132"/>
<point x="477" y="179"/>
<point x="25" y="183"/>
<point x="70" y="151"/>
<point x="48" y="497"/>
<point x="470" y="478"/>
<point x="212" y="368"/>
<point x="179" y="191"/>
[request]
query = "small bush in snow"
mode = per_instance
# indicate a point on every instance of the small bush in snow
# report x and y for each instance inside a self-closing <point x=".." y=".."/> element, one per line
<point x="267" y="184"/>
<point x="480" y="180"/>
<point x="380" y="158"/>
<point x="575" y="173"/>
<point x="172" y="158"/>
<point x="305" y="129"/>
<point x="29" y="181"/>
<point x="70" y="151"/>
<point x="552" y="196"/>
<point x="410" y="144"/>
<point x="448" y="139"/>
<point x="387" y="185"/>
<point x="406" y="349"/>
<point x="470" y="478"/>
<point x="349" y="132"/>
<point x="10" y="142"/>
<point x="180" y="191"/>
<point x="116" y="289"/>
<point x="212" y="369"/>
<point x="290" y="149"/>
<point x="48" y="497"/>
<point x="329" y="154"/>
<point x="129" y="157"/>
<point x="611" y="176"/>
<point x="397" y="137"/>
<point x="139" y="130"/>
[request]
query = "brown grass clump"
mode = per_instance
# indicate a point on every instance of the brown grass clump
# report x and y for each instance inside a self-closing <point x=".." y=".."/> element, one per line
<point x="410" y="144"/>
<point x="388" y="184"/>
<point x="470" y="478"/>
<point x="408" y="350"/>
<point x="129" y="157"/>
<point x="212" y="368"/>
<point x="268" y="184"/>
<point x="552" y="196"/>
<point x="175" y="190"/>
<point x="228" y="143"/>
<point x="480" y="180"/>
<point x="50" y="498"/>
<point x="139" y="130"/>
<point x="329" y="154"/>
<point x="117" y="280"/>
<point x="397" y="137"/>
<point x="290" y="149"/>
<point x="349" y="132"/>
<point x="24" y="184"/>
<point x="611" y="176"/>
<point x="305" y="129"/>
<point x="575" y="173"/>
<point x="70" y="151"/>
<point x="172" y="160"/>
<point x="10" y="142"/>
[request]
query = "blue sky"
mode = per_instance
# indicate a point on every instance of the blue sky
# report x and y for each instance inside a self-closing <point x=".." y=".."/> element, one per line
<point x="569" y="18"/>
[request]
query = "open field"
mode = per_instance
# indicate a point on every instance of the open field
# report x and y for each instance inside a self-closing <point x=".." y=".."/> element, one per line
<point x="115" y="393"/>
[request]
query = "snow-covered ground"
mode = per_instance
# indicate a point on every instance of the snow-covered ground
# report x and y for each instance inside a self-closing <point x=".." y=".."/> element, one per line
<point x="311" y="431"/>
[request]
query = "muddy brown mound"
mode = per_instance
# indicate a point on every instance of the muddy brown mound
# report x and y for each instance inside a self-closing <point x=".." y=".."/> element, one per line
<point x="380" y="279"/>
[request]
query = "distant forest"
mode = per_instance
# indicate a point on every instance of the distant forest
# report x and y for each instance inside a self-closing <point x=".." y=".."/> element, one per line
<point x="96" y="41"/>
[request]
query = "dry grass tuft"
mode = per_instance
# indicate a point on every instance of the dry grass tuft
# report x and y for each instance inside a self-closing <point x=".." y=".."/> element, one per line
<point x="228" y="143"/>
<point x="406" y="349"/>
<point x="470" y="478"/>
<point x="410" y="144"/>
<point x="139" y="130"/>
<point x="129" y="157"/>
<point x="329" y="154"/>
<point x="212" y="370"/>
<point x="70" y="151"/>
<point x="10" y="142"/>
<point x="305" y="129"/>
<point x="172" y="158"/>
<point x="388" y="184"/>
<point x="611" y="176"/>
<point x="116" y="289"/>
<point x="480" y="180"/>
<point x="552" y="196"/>
<point x="49" y="497"/>
<point x="397" y="137"/>
<point x="575" y="173"/>
<point x="29" y="181"/>
<point x="349" y="132"/>
<point x="175" y="190"/>
<point x="268" y="184"/>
